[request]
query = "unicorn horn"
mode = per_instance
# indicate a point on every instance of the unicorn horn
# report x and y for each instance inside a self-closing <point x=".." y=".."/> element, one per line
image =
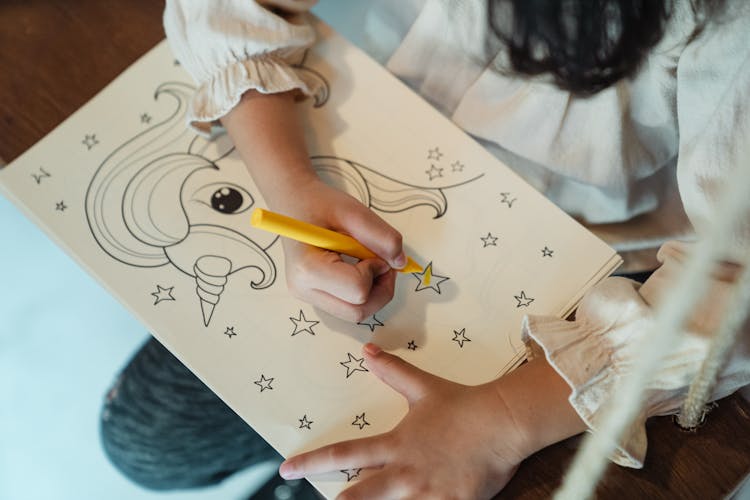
<point x="210" y="277"/>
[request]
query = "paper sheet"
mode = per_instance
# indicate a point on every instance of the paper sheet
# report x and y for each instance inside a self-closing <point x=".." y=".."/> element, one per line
<point x="161" y="217"/>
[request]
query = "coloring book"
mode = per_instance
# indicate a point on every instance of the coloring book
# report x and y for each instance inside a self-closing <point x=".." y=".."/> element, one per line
<point x="161" y="217"/>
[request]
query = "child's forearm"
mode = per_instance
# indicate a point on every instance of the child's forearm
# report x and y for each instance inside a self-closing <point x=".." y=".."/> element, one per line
<point x="267" y="131"/>
<point x="268" y="134"/>
<point x="537" y="398"/>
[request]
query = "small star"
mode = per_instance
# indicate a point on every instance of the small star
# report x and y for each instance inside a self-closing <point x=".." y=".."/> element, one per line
<point x="434" y="154"/>
<point x="489" y="240"/>
<point x="434" y="172"/>
<point x="304" y="423"/>
<point x="412" y="346"/>
<point x="546" y="252"/>
<point x="353" y="360"/>
<point x="360" y="421"/>
<point x="523" y="300"/>
<point x="429" y="280"/>
<point x="90" y="141"/>
<point x="61" y="206"/>
<point x="371" y="322"/>
<point x="351" y="473"/>
<point x="230" y="332"/>
<point x="162" y="294"/>
<point x="145" y="118"/>
<point x="42" y="174"/>
<point x="302" y="324"/>
<point x="506" y="199"/>
<point x="457" y="166"/>
<point x="460" y="337"/>
<point x="264" y="383"/>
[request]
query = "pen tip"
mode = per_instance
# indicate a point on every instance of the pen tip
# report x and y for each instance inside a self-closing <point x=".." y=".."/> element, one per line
<point x="256" y="216"/>
<point x="411" y="267"/>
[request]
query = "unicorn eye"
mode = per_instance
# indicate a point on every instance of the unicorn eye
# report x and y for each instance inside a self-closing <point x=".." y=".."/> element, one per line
<point x="225" y="198"/>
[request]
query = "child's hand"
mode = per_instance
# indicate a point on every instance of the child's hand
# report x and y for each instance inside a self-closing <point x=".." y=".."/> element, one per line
<point x="321" y="277"/>
<point x="267" y="131"/>
<point x="456" y="441"/>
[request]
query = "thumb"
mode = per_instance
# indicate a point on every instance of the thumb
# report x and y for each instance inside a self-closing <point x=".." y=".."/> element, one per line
<point x="404" y="377"/>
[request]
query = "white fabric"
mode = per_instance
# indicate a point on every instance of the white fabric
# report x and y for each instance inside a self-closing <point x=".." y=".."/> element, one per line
<point x="626" y="161"/>
<point x="595" y="350"/>
<point x="232" y="46"/>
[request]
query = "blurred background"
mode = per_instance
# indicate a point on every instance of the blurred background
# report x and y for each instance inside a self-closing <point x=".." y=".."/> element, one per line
<point x="63" y="339"/>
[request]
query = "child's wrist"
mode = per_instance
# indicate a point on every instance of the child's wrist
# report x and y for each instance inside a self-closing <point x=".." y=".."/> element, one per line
<point x="515" y="435"/>
<point x="537" y="400"/>
<point x="291" y="189"/>
<point x="280" y="180"/>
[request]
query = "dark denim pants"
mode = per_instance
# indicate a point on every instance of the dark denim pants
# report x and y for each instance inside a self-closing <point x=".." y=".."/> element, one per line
<point x="164" y="429"/>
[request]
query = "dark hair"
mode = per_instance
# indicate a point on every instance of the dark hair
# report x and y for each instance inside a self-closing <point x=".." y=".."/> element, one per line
<point x="585" y="45"/>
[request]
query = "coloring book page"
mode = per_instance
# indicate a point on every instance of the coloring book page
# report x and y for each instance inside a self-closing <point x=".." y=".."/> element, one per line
<point x="161" y="217"/>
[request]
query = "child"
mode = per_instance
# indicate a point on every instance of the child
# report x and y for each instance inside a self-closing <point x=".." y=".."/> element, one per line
<point x="626" y="112"/>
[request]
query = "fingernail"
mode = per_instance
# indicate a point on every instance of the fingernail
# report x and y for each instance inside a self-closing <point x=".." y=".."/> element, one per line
<point x="372" y="349"/>
<point x="400" y="261"/>
<point x="286" y="470"/>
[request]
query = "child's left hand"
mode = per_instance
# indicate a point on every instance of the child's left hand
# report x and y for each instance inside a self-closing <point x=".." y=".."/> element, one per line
<point x="456" y="441"/>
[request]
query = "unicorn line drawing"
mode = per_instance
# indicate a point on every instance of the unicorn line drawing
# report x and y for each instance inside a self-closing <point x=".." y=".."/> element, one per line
<point x="164" y="197"/>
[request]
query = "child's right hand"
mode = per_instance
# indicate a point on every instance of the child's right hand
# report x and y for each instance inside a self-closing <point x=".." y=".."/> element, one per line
<point x="267" y="131"/>
<point x="351" y="291"/>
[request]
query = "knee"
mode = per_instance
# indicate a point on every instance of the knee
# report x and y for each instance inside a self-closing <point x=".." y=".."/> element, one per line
<point x="136" y="449"/>
<point x="164" y="429"/>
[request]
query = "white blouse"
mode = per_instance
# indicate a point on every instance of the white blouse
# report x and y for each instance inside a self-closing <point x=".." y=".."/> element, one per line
<point x="641" y="162"/>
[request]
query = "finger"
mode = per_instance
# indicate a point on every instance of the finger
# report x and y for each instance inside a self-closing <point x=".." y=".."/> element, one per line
<point x="365" y="226"/>
<point x="327" y="272"/>
<point x="382" y="293"/>
<point x="404" y="377"/>
<point x="333" y="305"/>
<point x="367" y="452"/>
<point x="388" y="483"/>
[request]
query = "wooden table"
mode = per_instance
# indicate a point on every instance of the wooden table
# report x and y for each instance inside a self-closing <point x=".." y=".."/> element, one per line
<point x="56" y="55"/>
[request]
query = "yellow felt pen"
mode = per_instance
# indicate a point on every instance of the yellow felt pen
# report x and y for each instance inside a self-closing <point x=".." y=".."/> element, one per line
<point x="318" y="236"/>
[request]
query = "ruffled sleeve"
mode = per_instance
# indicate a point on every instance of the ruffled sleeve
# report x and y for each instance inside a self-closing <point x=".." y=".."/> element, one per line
<point x="232" y="46"/>
<point x="597" y="349"/>
<point x="593" y="352"/>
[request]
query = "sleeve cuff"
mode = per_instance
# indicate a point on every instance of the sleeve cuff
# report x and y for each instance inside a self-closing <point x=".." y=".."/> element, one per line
<point x="586" y="355"/>
<point x="594" y="352"/>
<point x="576" y="356"/>
<point x="267" y="73"/>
